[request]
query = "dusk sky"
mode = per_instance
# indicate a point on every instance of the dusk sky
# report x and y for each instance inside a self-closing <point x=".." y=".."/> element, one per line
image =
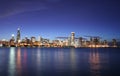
<point x="52" y="18"/>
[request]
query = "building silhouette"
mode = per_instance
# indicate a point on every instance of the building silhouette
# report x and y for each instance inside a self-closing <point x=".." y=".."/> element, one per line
<point x="72" y="38"/>
<point x="18" y="36"/>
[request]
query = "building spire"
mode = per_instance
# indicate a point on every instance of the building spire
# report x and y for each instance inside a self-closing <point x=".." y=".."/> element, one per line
<point x="18" y="35"/>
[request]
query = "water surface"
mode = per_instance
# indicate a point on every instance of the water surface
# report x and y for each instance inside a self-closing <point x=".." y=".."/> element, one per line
<point x="59" y="62"/>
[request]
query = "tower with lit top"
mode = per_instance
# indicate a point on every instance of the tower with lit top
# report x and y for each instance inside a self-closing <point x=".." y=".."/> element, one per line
<point x="18" y="36"/>
<point x="72" y="38"/>
<point x="13" y="37"/>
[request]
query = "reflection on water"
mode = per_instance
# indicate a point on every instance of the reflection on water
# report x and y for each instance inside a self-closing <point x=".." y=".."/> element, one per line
<point x="38" y="61"/>
<point x="18" y="62"/>
<point x="12" y="66"/>
<point x="95" y="65"/>
<point x="58" y="62"/>
<point x="38" y="57"/>
<point x="59" y="59"/>
<point x="62" y="58"/>
<point x="98" y="62"/>
<point x="73" y="59"/>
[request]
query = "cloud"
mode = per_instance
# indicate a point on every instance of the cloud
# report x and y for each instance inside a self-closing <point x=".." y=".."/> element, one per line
<point x="17" y="7"/>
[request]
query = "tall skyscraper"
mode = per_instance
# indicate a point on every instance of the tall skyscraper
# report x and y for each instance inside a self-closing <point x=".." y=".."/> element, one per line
<point x="18" y="35"/>
<point x="33" y="39"/>
<point x="13" y="37"/>
<point x="72" y="38"/>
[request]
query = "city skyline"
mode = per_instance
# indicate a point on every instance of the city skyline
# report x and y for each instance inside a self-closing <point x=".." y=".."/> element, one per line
<point x="17" y="36"/>
<point x="60" y="41"/>
<point x="52" y="18"/>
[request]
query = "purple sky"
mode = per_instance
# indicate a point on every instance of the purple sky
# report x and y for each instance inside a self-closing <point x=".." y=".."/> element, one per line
<point x="52" y="18"/>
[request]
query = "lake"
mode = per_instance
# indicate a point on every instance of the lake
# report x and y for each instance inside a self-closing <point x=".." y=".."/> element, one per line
<point x="59" y="61"/>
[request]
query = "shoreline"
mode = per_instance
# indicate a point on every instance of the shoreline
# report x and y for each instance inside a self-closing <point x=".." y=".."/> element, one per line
<point x="54" y="47"/>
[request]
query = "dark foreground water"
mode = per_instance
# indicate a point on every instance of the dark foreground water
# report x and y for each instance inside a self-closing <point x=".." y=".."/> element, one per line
<point x="59" y="62"/>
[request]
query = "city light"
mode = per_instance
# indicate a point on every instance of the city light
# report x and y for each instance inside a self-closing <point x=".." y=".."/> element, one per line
<point x="70" y="41"/>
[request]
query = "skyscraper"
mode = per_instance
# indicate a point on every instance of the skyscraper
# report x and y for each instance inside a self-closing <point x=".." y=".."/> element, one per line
<point x="18" y="36"/>
<point x="72" y="38"/>
<point x="13" y="37"/>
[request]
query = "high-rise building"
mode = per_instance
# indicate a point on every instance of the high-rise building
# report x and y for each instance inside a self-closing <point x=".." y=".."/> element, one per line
<point x="40" y="39"/>
<point x="13" y="37"/>
<point x="72" y="38"/>
<point x="11" y="42"/>
<point x="33" y="39"/>
<point x="18" y="36"/>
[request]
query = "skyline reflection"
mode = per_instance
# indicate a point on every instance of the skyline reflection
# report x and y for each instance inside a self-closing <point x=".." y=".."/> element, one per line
<point x="38" y="61"/>
<point x="58" y="62"/>
<point x="98" y="62"/>
<point x="12" y="63"/>
<point x="73" y="59"/>
<point x="94" y="61"/>
<point x="18" y="62"/>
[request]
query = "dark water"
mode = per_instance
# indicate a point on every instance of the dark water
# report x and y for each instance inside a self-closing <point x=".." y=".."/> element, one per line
<point x="59" y="62"/>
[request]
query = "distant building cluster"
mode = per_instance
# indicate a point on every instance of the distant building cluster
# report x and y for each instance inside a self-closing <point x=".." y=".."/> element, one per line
<point x="72" y="41"/>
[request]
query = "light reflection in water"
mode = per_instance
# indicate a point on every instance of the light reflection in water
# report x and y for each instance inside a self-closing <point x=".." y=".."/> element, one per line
<point x="11" y="67"/>
<point x="38" y="56"/>
<point x="99" y="62"/>
<point x="59" y="59"/>
<point x="63" y="62"/>
<point x="64" y="59"/>
<point x="38" y="61"/>
<point x="18" y="63"/>
<point x="73" y="59"/>
<point x="95" y="65"/>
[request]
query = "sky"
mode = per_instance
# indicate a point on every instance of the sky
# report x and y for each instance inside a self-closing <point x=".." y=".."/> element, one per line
<point x="53" y="18"/>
